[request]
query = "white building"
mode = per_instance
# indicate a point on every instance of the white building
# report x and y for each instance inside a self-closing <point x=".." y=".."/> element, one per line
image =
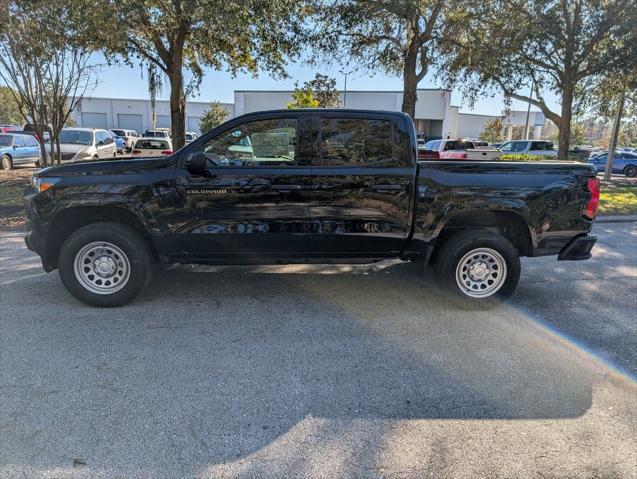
<point x="435" y="116"/>
<point x="136" y="114"/>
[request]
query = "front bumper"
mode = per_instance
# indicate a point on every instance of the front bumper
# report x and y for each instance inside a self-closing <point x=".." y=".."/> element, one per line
<point x="579" y="248"/>
<point x="35" y="239"/>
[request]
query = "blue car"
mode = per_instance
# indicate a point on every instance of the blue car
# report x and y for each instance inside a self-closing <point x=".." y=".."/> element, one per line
<point x="623" y="163"/>
<point x="16" y="149"/>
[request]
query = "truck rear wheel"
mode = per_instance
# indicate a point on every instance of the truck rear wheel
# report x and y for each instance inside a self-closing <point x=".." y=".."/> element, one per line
<point x="105" y="264"/>
<point x="479" y="268"/>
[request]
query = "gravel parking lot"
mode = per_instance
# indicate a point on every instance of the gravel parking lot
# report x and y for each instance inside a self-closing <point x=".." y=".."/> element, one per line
<point x="298" y="371"/>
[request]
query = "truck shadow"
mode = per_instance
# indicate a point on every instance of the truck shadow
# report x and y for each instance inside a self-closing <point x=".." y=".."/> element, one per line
<point x="220" y="365"/>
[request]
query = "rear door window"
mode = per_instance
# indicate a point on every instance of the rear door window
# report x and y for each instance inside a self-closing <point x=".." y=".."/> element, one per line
<point x="356" y="142"/>
<point x="149" y="144"/>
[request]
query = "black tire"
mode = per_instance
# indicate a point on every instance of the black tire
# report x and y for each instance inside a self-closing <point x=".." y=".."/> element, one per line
<point x="630" y="171"/>
<point x="7" y="162"/>
<point x="456" y="249"/>
<point x="136" y="253"/>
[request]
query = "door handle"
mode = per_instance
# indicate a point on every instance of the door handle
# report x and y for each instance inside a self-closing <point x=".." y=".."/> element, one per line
<point x="286" y="187"/>
<point x="386" y="187"/>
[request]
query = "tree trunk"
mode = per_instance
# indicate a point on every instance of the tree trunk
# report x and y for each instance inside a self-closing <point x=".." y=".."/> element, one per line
<point x="613" y="139"/>
<point x="410" y="84"/>
<point x="565" y="123"/>
<point x="58" y="149"/>
<point x="177" y="107"/>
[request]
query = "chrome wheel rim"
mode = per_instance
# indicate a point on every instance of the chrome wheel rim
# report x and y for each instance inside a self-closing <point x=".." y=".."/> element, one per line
<point x="481" y="272"/>
<point x="102" y="267"/>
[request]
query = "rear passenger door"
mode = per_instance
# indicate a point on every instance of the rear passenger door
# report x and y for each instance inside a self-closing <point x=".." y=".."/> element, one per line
<point x="20" y="150"/>
<point x="362" y="183"/>
<point x="33" y="147"/>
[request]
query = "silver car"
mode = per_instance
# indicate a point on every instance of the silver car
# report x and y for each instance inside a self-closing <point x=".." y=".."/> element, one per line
<point x="86" y="144"/>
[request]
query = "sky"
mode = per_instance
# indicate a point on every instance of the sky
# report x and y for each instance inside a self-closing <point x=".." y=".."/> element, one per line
<point x="120" y="81"/>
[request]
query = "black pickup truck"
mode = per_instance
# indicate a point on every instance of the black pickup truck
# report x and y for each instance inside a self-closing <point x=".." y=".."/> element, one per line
<point x="307" y="186"/>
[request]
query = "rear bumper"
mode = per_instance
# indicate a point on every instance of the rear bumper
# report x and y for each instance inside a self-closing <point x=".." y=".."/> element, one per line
<point x="579" y="248"/>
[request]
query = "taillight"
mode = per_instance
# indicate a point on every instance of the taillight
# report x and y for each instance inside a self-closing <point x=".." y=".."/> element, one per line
<point x="593" y="203"/>
<point x="463" y="156"/>
<point x="137" y="152"/>
<point x="167" y="152"/>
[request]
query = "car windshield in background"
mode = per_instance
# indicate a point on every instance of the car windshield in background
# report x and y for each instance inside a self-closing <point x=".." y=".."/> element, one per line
<point x="6" y="140"/>
<point x="151" y="145"/>
<point x="75" y="137"/>
<point x="458" y="145"/>
<point x="119" y="132"/>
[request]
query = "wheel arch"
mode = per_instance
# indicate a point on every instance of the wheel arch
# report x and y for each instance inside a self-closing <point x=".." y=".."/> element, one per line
<point x="509" y="224"/>
<point x="69" y="220"/>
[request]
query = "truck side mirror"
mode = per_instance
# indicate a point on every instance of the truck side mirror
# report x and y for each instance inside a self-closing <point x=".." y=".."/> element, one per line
<point x="197" y="163"/>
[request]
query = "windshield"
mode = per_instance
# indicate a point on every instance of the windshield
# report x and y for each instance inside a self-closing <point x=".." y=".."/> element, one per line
<point x="6" y="140"/>
<point x="76" y="137"/>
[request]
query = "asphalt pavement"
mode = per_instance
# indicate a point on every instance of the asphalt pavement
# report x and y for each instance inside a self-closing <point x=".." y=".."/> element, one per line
<point x="322" y="371"/>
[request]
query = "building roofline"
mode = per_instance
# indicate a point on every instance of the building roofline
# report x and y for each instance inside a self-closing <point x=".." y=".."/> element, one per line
<point x="148" y="99"/>
<point x="341" y="91"/>
<point x="493" y="116"/>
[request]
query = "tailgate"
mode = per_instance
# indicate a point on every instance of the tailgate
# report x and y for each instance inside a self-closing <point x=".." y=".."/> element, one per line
<point x="483" y="154"/>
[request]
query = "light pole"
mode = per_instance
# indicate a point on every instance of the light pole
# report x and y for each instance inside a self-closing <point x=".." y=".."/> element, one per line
<point x="345" y="89"/>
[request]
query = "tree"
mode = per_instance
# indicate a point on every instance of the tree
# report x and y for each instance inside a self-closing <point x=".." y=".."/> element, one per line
<point x="179" y="35"/>
<point x="46" y="75"/>
<point x="320" y="92"/>
<point x="324" y="91"/>
<point x="493" y="131"/>
<point x="9" y="111"/>
<point x="303" y="98"/>
<point x="616" y="97"/>
<point x="562" y="46"/>
<point x="155" y="86"/>
<point x="213" y="117"/>
<point x="400" y="37"/>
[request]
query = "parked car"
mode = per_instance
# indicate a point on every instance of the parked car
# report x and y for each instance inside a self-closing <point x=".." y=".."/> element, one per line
<point x="18" y="149"/>
<point x="152" y="147"/>
<point x="458" y="149"/>
<point x="129" y="136"/>
<point x="8" y="128"/>
<point x="157" y="133"/>
<point x="623" y="163"/>
<point x="86" y="144"/>
<point x="357" y="194"/>
<point x="528" y="147"/>
<point x="628" y="149"/>
<point x="30" y="128"/>
<point x="190" y="136"/>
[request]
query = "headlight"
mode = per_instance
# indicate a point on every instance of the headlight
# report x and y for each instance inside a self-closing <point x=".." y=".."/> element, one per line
<point x="82" y="155"/>
<point x="41" y="184"/>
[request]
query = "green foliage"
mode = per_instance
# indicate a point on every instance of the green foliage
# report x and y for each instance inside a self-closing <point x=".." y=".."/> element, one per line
<point x="320" y="92"/>
<point x="247" y="36"/>
<point x="558" y="46"/>
<point x="214" y="117"/>
<point x="324" y="91"/>
<point x="399" y="37"/>
<point x="493" y="131"/>
<point x="539" y="158"/>
<point x="302" y="98"/>
<point x="618" y="200"/>
<point x="9" y="111"/>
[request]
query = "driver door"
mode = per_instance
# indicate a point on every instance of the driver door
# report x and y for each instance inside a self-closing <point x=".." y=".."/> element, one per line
<point x="252" y="198"/>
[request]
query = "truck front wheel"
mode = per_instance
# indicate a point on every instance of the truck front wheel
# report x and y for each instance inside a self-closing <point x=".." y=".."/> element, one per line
<point x="479" y="268"/>
<point x="105" y="264"/>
